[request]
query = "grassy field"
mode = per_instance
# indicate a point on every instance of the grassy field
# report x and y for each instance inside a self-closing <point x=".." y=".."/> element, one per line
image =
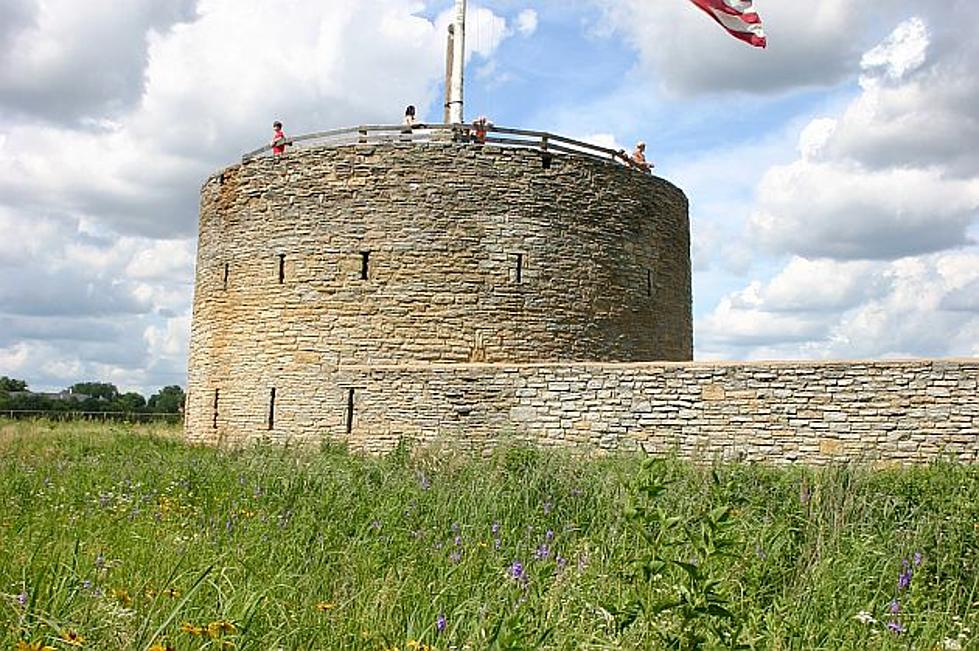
<point x="114" y="537"/>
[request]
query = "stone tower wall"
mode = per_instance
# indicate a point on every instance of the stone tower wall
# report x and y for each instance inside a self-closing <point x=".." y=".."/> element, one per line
<point x="408" y="254"/>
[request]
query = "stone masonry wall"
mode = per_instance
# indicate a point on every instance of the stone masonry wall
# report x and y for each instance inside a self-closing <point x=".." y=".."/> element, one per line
<point x="810" y="412"/>
<point x="444" y="339"/>
<point x="409" y="253"/>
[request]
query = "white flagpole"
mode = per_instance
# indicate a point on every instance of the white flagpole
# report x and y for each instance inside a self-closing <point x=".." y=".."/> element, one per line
<point x="458" y="63"/>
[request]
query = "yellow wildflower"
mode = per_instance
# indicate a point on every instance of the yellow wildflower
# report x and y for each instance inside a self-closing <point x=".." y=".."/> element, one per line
<point x="219" y="628"/>
<point x="172" y="593"/>
<point x="193" y="629"/>
<point x="161" y="646"/>
<point x="34" y="646"/>
<point x="73" y="638"/>
<point x="122" y="596"/>
<point x="324" y="606"/>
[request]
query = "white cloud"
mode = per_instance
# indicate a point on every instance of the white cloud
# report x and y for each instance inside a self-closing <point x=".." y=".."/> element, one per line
<point x="829" y="309"/>
<point x="69" y="60"/>
<point x="878" y="216"/>
<point x="527" y="22"/>
<point x="903" y="51"/>
<point x="842" y="211"/>
<point x="890" y="177"/>
<point x="809" y="44"/>
<point x="209" y="91"/>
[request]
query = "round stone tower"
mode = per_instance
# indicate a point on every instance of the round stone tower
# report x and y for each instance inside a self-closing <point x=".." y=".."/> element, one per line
<point x="416" y="254"/>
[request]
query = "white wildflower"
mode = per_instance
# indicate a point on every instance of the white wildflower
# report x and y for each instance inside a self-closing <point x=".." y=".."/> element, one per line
<point x="864" y="617"/>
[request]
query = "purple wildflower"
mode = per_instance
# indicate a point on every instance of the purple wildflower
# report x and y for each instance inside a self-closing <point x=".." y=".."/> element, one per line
<point x="516" y="570"/>
<point x="562" y="562"/>
<point x="455" y="556"/>
<point x="904" y="579"/>
<point x="424" y="482"/>
<point x="549" y="535"/>
<point x="22" y="599"/>
<point x="894" y="606"/>
<point x="440" y="623"/>
<point x="896" y="627"/>
<point x="86" y="584"/>
<point x="917" y="559"/>
<point x="496" y="543"/>
<point x="455" y="527"/>
<point x="495" y="528"/>
<point x="458" y="541"/>
<point x="548" y="507"/>
<point x="542" y="552"/>
<point x="99" y="561"/>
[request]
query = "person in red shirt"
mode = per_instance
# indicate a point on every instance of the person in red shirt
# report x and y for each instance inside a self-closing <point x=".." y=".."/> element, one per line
<point x="278" y="139"/>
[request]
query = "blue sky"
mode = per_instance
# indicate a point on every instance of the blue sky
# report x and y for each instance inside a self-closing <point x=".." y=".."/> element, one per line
<point x="833" y="178"/>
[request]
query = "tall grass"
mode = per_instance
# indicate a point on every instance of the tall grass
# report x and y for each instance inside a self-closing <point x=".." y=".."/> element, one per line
<point x="126" y="538"/>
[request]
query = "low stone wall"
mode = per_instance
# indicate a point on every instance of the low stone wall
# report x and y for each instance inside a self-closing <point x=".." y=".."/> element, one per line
<point x="779" y="412"/>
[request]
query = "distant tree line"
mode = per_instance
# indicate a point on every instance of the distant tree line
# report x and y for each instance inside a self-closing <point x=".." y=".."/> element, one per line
<point x="89" y="396"/>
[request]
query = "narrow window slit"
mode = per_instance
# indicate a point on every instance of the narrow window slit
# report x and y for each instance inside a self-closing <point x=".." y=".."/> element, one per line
<point x="227" y="272"/>
<point x="546" y="161"/>
<point x="214" y="424"/>
<point x="519" y="268"/>
<point x="364" y="262"/>
<point x="282" y="268"/>
<point x="350" y="410"/>
<point x="272" y="409"/>
<point x="649" y="282"/>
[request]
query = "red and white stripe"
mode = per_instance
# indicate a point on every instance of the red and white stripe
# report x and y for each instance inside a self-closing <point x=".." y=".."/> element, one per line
<point x="737" y="17"/>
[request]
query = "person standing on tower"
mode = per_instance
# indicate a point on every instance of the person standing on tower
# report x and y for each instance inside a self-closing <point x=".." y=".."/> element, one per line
<point x="639" y="157"/>
<point x="410" y="120"/>
<point x="279" y="141"/>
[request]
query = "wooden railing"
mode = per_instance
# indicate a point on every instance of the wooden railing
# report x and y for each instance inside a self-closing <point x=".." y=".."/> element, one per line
<point x="500" y="136"/>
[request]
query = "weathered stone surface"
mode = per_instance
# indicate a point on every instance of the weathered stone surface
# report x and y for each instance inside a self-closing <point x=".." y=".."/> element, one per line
<point x="442" y="341"/>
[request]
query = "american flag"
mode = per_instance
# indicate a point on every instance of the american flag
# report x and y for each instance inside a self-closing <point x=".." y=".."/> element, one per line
<point x="737" y="17"/>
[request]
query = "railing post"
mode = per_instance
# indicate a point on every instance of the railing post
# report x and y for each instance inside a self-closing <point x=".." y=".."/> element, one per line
<point x="363" y="136"/>
<point x="543" y="142"/>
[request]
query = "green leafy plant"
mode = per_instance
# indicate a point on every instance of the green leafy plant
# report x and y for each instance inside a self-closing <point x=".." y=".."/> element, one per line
<point x="676" y="583"/>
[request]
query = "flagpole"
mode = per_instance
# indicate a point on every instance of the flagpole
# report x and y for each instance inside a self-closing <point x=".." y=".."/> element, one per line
<point x="458" y="63"/>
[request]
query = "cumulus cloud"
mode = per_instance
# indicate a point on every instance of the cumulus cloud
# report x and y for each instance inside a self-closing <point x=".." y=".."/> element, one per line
<point x="904" y="50"/>
<point x="89" y="304"/>
<point x="889" y="178"/>
<point x="878" y="214"/>
<point x="846" y="310"/>
<point x="207" y="90"/>
<point x="527" y="22"/>
<point x="809" y="44"/>
<point x="843" y="211"/>
<point x="68" y="61"/>
<point x="919" y="90"/>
